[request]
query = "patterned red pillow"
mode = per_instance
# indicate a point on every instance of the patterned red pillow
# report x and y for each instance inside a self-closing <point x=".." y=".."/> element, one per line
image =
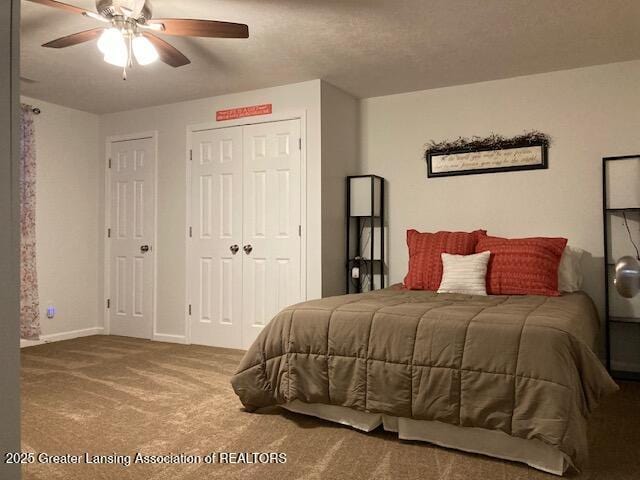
<point x="522" y="266"/>
<point x="425" y="255"/>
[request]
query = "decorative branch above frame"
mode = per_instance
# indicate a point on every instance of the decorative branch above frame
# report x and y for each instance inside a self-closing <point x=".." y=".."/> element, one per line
<point x="491" y="154"/>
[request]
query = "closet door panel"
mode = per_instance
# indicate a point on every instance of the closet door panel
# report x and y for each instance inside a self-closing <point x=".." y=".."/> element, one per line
<point x="216" y="215"/>
<point x="271" y="233"/>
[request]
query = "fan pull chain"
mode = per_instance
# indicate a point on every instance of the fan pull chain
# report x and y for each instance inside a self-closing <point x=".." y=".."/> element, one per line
<point x="130" y="55"/>
<point x="129" y="61"/>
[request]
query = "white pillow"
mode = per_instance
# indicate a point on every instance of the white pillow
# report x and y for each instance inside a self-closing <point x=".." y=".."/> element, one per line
<point x="570" y="270"/>
<point x="464" y="273"/>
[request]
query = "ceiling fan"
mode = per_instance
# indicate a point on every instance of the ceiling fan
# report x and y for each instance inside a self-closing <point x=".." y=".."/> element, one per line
<point x="130" y="33"/>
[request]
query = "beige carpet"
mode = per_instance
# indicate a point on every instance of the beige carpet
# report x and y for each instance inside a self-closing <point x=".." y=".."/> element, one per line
<point x="114" y="394"/>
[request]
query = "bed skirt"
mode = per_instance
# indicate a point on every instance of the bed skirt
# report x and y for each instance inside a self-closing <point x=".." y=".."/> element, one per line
<point x="493" y="443"/>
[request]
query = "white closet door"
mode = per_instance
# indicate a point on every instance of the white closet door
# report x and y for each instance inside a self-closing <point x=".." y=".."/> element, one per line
<point x="271" y="232"/>
<point x="132" y="179"/>
<point x="216" y="213"/>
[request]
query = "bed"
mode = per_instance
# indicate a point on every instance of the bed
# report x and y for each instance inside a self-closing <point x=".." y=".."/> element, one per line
<point x="514" y="377"/>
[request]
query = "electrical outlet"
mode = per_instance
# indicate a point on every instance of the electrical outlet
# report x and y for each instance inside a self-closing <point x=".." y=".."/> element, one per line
<point x="51" y="311"/>
<point x="355" y="272"/>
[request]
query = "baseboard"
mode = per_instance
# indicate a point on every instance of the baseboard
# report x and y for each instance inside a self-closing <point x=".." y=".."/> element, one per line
<point x="162" y="337"/>
<point x="57" y="337"/>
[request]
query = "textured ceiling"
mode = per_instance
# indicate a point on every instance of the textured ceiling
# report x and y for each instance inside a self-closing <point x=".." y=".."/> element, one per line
<point x="366" y="47"/>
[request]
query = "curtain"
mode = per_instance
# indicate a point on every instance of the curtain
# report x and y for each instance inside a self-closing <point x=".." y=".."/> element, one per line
<point x="29" y="302"/>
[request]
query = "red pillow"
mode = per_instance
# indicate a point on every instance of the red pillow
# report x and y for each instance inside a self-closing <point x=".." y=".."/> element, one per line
<point x="425" y="255"/>
<point x="522" y="266"/>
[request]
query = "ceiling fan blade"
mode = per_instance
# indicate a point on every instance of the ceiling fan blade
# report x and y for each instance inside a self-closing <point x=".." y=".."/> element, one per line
<point x="60" y="5"/>
<point x="155" y="27"/>
<point x="74" y="38"/>
<point x="202" y="28"/>
<point x="168" y="53"/>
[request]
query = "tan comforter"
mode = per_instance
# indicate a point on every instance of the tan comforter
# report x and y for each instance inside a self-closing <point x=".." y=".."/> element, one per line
<point x="521" y="364"/>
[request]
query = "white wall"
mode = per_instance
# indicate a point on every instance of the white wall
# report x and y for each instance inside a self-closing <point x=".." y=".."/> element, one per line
<point x="67" y="149"/>
<point x="171" y="121"/>
<point x="589" y="113"/>
<point x="340" y="141"/>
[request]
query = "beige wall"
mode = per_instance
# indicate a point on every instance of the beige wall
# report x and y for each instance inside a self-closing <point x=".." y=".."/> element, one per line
<point x="340" y="141"/>
<point x="589" y="113"/>
<point x="67" y="227"/>
<point x="171" y="122"/>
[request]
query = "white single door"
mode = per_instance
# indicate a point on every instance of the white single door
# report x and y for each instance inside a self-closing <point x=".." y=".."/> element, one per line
<point x="132" y="231"/>
<point x="216" y="237"/>
<point x="271" y="230"/>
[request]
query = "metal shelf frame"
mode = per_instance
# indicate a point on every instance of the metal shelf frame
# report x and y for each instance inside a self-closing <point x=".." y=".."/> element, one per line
<point x="608" y="263"/>
<point x="354" y="255"/>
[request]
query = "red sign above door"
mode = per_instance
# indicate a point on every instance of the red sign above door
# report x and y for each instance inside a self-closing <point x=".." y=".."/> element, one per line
<point x="252" y="111"/>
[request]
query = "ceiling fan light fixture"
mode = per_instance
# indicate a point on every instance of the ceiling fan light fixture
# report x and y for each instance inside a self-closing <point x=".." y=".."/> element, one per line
<point x="144" y="51"/>
<point x="117" y="59"/>
<point x="110" y="40"/>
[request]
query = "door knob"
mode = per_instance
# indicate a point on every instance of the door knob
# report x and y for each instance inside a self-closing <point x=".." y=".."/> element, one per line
<point x="247" y="249"/>
<point x="144" y="248"/>
<point x="234" y="249"/>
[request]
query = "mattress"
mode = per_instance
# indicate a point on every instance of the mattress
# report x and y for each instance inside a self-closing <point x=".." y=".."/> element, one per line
<point x="523" y="366"/>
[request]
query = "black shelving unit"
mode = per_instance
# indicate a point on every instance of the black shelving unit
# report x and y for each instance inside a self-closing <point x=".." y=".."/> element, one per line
<point x="613" y="318"/>
<point x="365" y="212"/>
